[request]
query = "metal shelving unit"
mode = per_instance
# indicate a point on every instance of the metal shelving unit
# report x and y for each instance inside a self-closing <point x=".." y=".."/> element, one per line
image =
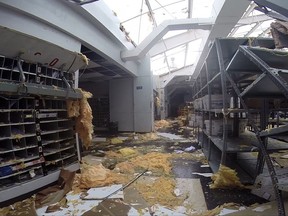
<point x="36" y="135"/>
<point x="236" y="71"/>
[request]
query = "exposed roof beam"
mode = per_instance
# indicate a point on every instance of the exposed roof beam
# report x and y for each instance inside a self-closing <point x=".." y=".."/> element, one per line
<point x="229" y="12"/>
<point x="253" y="19"/>
<point x="169" y="25"/>
<point x="264" y="32"/>
<point x="176" y="41"/>
<point x="246" y="14"/>
<point x="253" y="29"/>
<point x="190" y="8"/>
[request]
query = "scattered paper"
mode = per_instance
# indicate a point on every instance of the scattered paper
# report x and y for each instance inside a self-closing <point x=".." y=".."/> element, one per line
<point x="170" y="136"/>
<point x="178" y="151"/>
<point x="99" y="139"/>
<point x="102" y="192"/>
<point x="205" y="165"/>
<point x="203" y="174"/>
<point x="262" y="208"/>
<point x="177" y="192"/>
<point x="188" y="149"/>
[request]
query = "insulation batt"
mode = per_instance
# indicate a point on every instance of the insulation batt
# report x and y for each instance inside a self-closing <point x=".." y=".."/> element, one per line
<point x="226" y="178"/>
<point x="81" y="110"/>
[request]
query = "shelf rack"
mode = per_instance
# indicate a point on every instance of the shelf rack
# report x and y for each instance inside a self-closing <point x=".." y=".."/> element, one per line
<point x="238" y="71"/>
<point x="36" y="136"/>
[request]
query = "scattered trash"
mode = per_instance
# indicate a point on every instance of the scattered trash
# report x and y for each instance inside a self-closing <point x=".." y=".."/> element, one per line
<point x="154" y="161"/>
<point x="25" y="208"/>
<point x="99" y="139"/>
<point x="98" y="176"/>
<point x="203" y="174"/>
<point x="188" y="149"/>
<point x="284" y="156"/>
<point x="205" y="165"/>
<point x="128" y="152"/>
<point x="226" y="178"/>
<point x="123" y="138"/>
<point x="178" y="151"/>
<point x="177" y="192"/>
<point x="262" y="208"/>
<point x="170" y="136"/>
<point x="102" y="192"/>
<point x="161" y="124"/>
<point x="163" y="211"/>
<point x="115" y="141"/>
<point x="159" y="191"/>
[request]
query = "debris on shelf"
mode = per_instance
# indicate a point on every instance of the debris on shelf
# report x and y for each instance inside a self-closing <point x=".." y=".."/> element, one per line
<point x="161" y="124"/>
<point x="81" y="110"/>
<point x="226" y="178"/>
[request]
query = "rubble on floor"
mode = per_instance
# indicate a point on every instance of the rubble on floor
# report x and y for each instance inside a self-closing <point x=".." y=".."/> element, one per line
<point x="226" y="178"/>
<point x="158" y="192"/>
<point x="161" y="124"/>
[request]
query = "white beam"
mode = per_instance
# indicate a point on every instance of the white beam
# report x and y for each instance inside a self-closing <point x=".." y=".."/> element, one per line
<point x="228" y="13"/>
<point x="253" y="29"/>
<point x="169" y="25"/>
<point x="164" y="80"/>
<point x="253" y="19"/>
<point x="176" y="41"/>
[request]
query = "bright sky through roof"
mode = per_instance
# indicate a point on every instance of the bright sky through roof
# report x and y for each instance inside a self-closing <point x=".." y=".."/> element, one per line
<point x="139" y="22"/>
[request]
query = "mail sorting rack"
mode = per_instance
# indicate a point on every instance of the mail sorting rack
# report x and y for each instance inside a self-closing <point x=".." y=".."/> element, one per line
<point x="57" y="134"/>
<point x="19" y="152"/>
<point x="21" y="149"/>
<point x="33" y="73"/>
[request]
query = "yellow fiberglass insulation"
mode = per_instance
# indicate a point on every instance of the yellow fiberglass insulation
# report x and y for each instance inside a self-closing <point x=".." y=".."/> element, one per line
<point x="98" y="176"/>
<point x="73" y="108"/>
<point x="226" y="178"/>
<point x="81" y="110"/>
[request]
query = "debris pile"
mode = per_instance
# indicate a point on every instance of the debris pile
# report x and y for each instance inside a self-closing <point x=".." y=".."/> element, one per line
<point x="154" y="161"/>
<point x="161" y="124"/>
<point x="97" y="176"/>
<point x="226" y="178"/>
<point x="148" y="136"/>
<point x="161" y="191"/>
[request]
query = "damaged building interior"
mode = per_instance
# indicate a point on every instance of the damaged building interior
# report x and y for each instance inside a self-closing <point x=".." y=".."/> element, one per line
<point x="143" y="107"/>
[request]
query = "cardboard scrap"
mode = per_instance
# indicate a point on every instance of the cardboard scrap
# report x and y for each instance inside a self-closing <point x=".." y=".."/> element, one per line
<point x="54" y="194"/>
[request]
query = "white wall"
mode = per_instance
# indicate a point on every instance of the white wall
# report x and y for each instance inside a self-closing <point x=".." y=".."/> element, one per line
<point x="143" y="98"/>
<point x="121" y="103"/>
<point x="131" y="100"/>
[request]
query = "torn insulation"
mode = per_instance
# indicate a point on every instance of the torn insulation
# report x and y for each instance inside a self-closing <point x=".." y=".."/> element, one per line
<point x="226" y="178"/>
<point x="81" y="110"/>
